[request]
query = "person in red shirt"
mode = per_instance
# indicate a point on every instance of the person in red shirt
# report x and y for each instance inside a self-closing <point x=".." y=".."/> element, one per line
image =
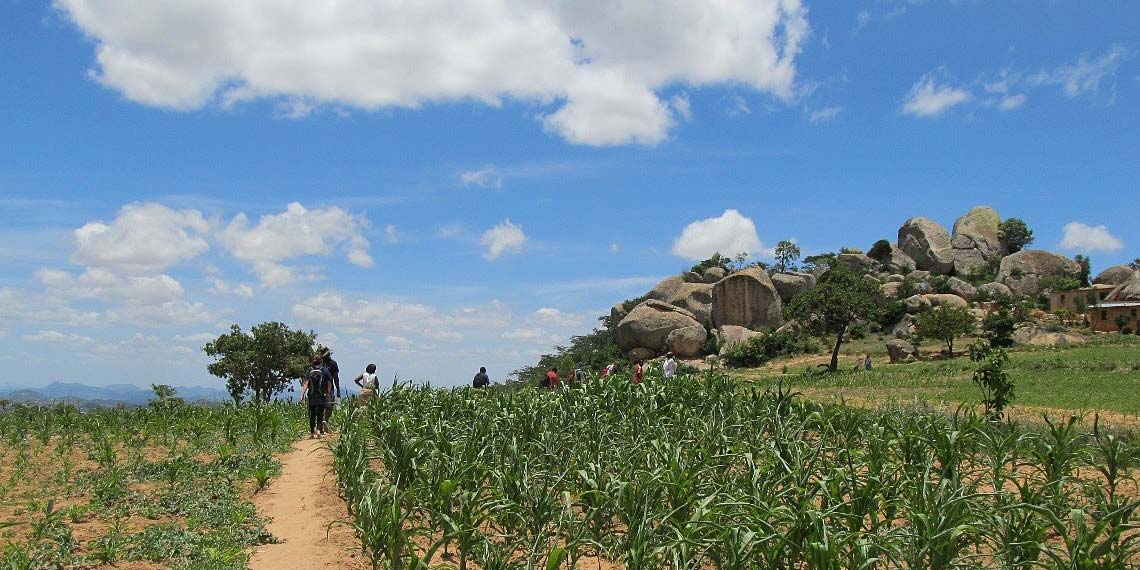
<point x="552" y="378"/>
<point x="639" y="372"/>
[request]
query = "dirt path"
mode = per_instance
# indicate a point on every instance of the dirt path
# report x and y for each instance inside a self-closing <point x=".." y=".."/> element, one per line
<point x="301" y="503"/>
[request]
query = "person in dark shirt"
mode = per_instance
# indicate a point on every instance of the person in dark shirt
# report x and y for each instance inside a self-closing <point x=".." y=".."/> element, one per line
<point x="481" y="380"/>
<point x="315" y="389"/>
<point x="330" y="403"/>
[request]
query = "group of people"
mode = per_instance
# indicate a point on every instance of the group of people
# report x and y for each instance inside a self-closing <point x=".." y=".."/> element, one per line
<point x="668" y="368"/>
<point x="320" y="388"/>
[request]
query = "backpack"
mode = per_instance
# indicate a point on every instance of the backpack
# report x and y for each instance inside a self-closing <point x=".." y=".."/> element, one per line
<point x="318" y="387"/>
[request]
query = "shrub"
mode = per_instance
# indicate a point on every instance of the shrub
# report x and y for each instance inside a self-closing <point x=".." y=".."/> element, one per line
<point x="1058" y="283"/>
<point x="881" y="251"/>
<point x="893" y="312"/>
<point x="945" y="323"/>
<point x="762" y="348"/>
<point x="1015" y="234"/>
<point x="991" y="378"/>
<point x="710" y="346"/>
<point x="1126" y="330"/>
<point x="940" y="284"/>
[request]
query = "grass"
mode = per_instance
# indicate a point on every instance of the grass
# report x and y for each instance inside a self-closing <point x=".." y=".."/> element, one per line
<point x="1100" y="376"/>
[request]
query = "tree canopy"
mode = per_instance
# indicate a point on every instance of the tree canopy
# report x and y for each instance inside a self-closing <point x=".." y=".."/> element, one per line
<point x="787" y="253"/>
<point x="263" y="362"/>
<point x="945" y="323"/>
<point x="1015" y="234"/>
<point x="842" y="298"/>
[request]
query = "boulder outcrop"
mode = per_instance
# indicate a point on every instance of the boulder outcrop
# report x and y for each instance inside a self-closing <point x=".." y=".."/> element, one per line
<point x="686" y="342"/>
<point x="928" y="244"/>
<point x="979" y="229"/>
<point x="789" y="285"/>
<point x="693" y="297"/>
<point x="899" y="350"/>
<point x="1032" y="335"/>
<point x="857" y="262"/>
<point x="994" y="289"/>
<point x="648" y="325"/>
<point x="732" y="334"/>
<point x="713" y="274"/>
<point x="962" y="289"/>
<point x="1022" y="271"/>
<point x="1127" y="291"/>
<point x="895" y="261"/>
<point x="747" y="298"/>
<point x="1115" y="275"/>
<point x="939" y="299"/>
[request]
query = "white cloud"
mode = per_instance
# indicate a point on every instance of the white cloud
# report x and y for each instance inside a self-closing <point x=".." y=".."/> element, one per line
<point x="168" y="313"/>
<point x="1011" y="102"/>
<point x="199" y="339"/>
<point x="296" y="232"/>
<point x="557" y="318"/>
<point x="1082" y="237"/>
<point x="28" y="307"/>
<point x="505" y="237"/>
<point x="824" y="115"/>
<point x="486" y="177"/>
<point x="221" y="287"/>
<point x="368" y="315"/>
<point x="862" y="19"/>
<point x="614" y="248"/>
<point x="57" y="337"/>
<point x="929" y="99"/>
<point x="728" y="234"/>
<point x="681" y="105"/>
<point x="398" y="342"/>
<point x="104" y="285"/>
<point x="600" y="66"/>
<point x="737" y="105"/>
<point x="392" y="235"/>
<point x="143" y="237"/>
<point x="1086" y="75"/>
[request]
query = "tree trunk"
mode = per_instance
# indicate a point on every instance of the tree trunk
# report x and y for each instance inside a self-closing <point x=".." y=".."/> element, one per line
<point x="835" y="351"/>
<point x="950" y="347"/>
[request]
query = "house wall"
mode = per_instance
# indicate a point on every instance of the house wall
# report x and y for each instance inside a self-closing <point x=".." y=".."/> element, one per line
<point x="1068" y="299"/>
<point x="1104" y="319"/>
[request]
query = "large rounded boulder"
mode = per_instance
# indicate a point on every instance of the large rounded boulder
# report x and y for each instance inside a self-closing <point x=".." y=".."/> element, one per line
<point x="747" y="298"/>
<point x="648" y="325"/>
<point x="1127" y="291"/>
<point x="686" y="342"/>
<point x="1022" y="271"/>
<point x="994" y="290"/>
<point x="789" y="285"/>
<point x="1115" y="275"/>
<point x="928" y="244"/>
<point x="693" y="297"/>
<point x="979" y="230"/>
<point x="893" y="260"/>
<point x="857" y="262"/>
<point x="940" y="299"/>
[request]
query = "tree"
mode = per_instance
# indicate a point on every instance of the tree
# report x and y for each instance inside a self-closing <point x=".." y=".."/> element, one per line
<point x="880" y="251"/>
<point x="999" y="325"/>
<point x="813" y="261"/>
<point x="1015" y="234"/>
<point x="991" y="378"/>
<point x="842" y="298"/>
<point x="717" y="260"/>
<point x="165" y="395"/>
<point x="787" y="253"/>
<point x="1135" y="264"/>
<point x="1086" y="269"/>
<point x="945" y="323"/>
<point x="264" y="362"/>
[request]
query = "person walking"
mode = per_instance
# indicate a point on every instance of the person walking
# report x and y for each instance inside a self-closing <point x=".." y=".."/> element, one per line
<point x="580" y="373"/>
<point x="670" y="366"/>
<point x="481" y="380"/>
<point x="639" y="372"/>
<point x="330" y="404"/>
<point x="315" y="389"/>
<point x="867" y="363"/>
<point x="550" y="381"/>
<point x="369" y="383"/>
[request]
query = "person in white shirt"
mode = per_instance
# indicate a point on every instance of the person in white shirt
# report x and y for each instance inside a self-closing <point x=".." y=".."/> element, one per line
<point x="670" y="367"/>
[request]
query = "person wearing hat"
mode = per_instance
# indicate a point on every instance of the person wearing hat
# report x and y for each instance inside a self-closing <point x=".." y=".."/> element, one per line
<point x="330" y="403"/>
<point x="670" y="366"/>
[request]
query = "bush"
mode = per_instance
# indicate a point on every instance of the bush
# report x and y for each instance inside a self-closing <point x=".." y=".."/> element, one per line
<point x="762" y="348"/>
<point x="893" y="312"/>
<point x="1126" y="330"/>
<point x="940" y="284"/>
<point x="710" y="346"/>
<point x="881" y="251"/>
<point x="1058" y="283"/>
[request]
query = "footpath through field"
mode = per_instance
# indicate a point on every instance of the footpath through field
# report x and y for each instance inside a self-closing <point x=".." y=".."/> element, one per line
<point x="302" y="502"/>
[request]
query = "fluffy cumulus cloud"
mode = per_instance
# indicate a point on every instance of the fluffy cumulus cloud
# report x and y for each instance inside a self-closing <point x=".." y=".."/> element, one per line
<point x="728" y="234"/>
<point x="929" y="98"/>
<point x="57" y="337"/>
<point x="600" y="67"/>
<point x="1083" y="237"/>
<point x="296" y="232"/>
<point x="400" y="318"/>
<point x="505" y="237"/>
<point x="143" y="237"/>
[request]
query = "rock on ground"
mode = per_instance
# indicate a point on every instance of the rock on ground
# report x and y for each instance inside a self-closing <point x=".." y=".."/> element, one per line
<point x="1022" y="271"/>
<point x="747" y="298"/>
<point x="648" y="325"/>
<point x="979" y="229"/>
<point x="686" y="342"/>
<point x="899" y="350"/>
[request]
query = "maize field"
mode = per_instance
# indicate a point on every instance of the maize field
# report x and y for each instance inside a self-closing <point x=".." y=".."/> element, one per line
<point x="699" y="472"/>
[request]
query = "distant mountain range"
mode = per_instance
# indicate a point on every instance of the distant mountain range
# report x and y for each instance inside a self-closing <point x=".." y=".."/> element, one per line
<point x="110" y="395"/>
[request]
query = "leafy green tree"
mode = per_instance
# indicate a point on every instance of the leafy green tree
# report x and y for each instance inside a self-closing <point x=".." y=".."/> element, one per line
<point x="998" y="326"/>
<point x="842" y="298"/>
<point x="1086" y="269"/>
<point x="594" y="350"/>
<point x="880" y="251"/>
<point x="1015" y="234"/>
<point x="717" y="260"/>
<point x="787" y="253"/>
<point x="165" y="395"/>
<point x="813" y="261"/>
<point x="945" y="323"/>
<point x="991" y="378"/>
<point x="263" y="362"/>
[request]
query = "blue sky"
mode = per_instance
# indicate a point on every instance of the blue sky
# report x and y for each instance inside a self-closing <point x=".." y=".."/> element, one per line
<point x="434" y="188"/>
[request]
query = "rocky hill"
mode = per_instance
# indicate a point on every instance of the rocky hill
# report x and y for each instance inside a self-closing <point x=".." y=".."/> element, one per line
<point x="925" y="266"/>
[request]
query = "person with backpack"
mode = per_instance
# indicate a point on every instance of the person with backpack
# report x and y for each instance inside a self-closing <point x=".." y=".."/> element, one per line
<point x="580" y="373"/>
<point x="330" y="403"/>
<point x="481" y="380"/>
<point x="369" y="384"/>
<point x="550" y="381"/>
<point x="316" y="389"/>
